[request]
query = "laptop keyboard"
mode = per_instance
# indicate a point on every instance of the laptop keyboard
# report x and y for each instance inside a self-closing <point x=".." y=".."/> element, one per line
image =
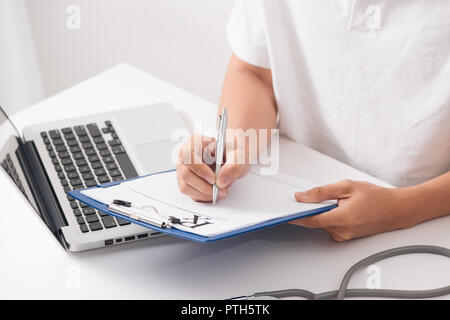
<point x="84" y="156"/>
<point x="10" y="169"/>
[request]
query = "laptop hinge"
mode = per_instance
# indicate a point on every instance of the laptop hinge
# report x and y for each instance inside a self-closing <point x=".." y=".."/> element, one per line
<point x="42" y="190"/>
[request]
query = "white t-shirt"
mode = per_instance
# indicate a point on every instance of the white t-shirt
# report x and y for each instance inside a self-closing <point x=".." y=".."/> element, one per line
<point x="366" y="82"/>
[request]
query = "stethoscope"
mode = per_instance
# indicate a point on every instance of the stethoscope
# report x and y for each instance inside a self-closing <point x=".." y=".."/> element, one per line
<point x="343" y="292"/>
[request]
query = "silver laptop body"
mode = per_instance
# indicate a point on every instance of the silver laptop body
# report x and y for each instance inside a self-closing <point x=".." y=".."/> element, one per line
<point x="55" y="157"/>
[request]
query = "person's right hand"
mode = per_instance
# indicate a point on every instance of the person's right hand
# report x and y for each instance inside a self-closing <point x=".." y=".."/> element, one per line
<point x="195" y="168"/>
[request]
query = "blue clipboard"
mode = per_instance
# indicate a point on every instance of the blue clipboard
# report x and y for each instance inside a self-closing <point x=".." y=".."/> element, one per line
<point x="183" y="234"/>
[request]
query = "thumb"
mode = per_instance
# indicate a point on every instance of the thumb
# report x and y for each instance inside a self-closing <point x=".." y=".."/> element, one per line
<point x="229" y="173"/>
<point x="333" y="191"/>
<point x="233" y="168"/>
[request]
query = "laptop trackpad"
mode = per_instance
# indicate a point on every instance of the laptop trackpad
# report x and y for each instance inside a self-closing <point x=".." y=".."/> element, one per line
<point x="156" y="156"/>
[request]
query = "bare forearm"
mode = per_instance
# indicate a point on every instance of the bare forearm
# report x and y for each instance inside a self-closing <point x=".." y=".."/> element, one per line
<point x="427" y="200"/>
<point x="248" y="95"/>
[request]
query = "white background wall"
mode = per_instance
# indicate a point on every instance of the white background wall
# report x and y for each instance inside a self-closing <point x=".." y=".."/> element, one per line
<point x="20" y="79"/>
<point x="182" y="41"/>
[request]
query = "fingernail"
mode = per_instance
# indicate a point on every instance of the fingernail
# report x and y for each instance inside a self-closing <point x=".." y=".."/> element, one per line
<point x="211" y="180"/>
<point x="299" y="195"/>
<point x="223" y="181"/>
<point x="222" y="193"/>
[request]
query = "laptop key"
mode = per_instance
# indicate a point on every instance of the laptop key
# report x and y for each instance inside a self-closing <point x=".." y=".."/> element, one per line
<point x="73" y="175"/>
<point x="52" y="154"/>
<point x="61" y="148"/>
<point x="78" y="156"/>
<point x="93" y="130"/>
<point x="103" y="179"/>
<point x="102" y="214"/>
<point x="61" y="175"/>
<point x="66" y="161"/>
<point x="93" y="158"/>
<point x="108" y="159"/>
<point x="126" y="165"/>
<point x="58" y="168"/>
<point x="90" y="152"/>
<point x="87" y="176"/>
<point x="114" y="142"/>
<point x="84" y="228"/>
<point x="84" y="205"/>
<point x="102" y="146"/>
<point x="80" y="131"/>
<point x="72" y="143"/>
<point x="80" y="220"/>
<point x="76" y="182"/>
<point x="99" y="172"/>
<point x="63" y="155"/>
<point x="84" y="139"/>
<point x="49" y="147"/>
<point x="105" y="153"/>
<point x="118" y="178"/>
<point x="58" y="141"/>
<point x="64" y="182"/>
<point x="92" y="218"/>
<point x="44" y="134"/>
<point x="111" y="166"/>
<point x="67" y="189"/>
<point x="54" y="134"/>
<point x="69" y="168"/>
<point x="109" y="222"/>
<point x="96" y="165"/>
<point x="98" y="140"/>
<point x="87" y="145"/>
<point x="105" y="130"/>
<point x="118" y="150"/>
<point x="75" y="149"/>
<point x="90" y="183"/>
<point x="77" y="212"/>
<point x="95" y="226"/>
<point x="66" y="130"/>
<point x="46" y="140"/>
<point x="69" y="136"/>
<point x="115" y="173"/>
<point x="73" y="204"/>
<point x="81" y="162"/>
<point x="88" y="211"/>
<point x="122" y="222"/>
<point x="84" y="169"/>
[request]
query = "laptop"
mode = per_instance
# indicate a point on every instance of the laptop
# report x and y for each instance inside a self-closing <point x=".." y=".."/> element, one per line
<point x="52" y="158"/>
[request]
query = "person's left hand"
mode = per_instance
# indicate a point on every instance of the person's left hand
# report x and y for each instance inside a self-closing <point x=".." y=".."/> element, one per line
<point x="363" y="209"/>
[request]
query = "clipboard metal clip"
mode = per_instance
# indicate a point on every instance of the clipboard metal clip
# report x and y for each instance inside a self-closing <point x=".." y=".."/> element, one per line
<point x="136" y="213"/>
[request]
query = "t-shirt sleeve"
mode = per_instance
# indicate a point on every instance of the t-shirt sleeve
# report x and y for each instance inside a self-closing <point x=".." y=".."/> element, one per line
<point x="246" y="33"/>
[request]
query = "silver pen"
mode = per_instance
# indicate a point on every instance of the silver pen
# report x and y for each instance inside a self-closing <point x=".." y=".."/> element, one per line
<point x="220" y="147"/>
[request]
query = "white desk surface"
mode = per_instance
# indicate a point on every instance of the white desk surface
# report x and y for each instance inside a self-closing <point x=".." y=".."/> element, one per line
<point x="33" y="265"/>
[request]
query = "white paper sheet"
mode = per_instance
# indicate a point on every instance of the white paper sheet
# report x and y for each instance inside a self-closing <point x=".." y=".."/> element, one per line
<point x="251" y="200"/>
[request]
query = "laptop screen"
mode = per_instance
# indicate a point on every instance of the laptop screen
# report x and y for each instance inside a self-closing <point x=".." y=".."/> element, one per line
<point x="9" y="143"/>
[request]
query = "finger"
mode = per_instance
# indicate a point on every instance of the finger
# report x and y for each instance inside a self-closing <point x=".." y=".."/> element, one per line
<point x="192" y="179"/>
<point x="337" y="190"/>
<point x="195" y="194"/>
<point x="326" y="219"/>
<point x="203" y="171"/>
<point x="229" y="173"/>
<point x="235" y="167"/>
